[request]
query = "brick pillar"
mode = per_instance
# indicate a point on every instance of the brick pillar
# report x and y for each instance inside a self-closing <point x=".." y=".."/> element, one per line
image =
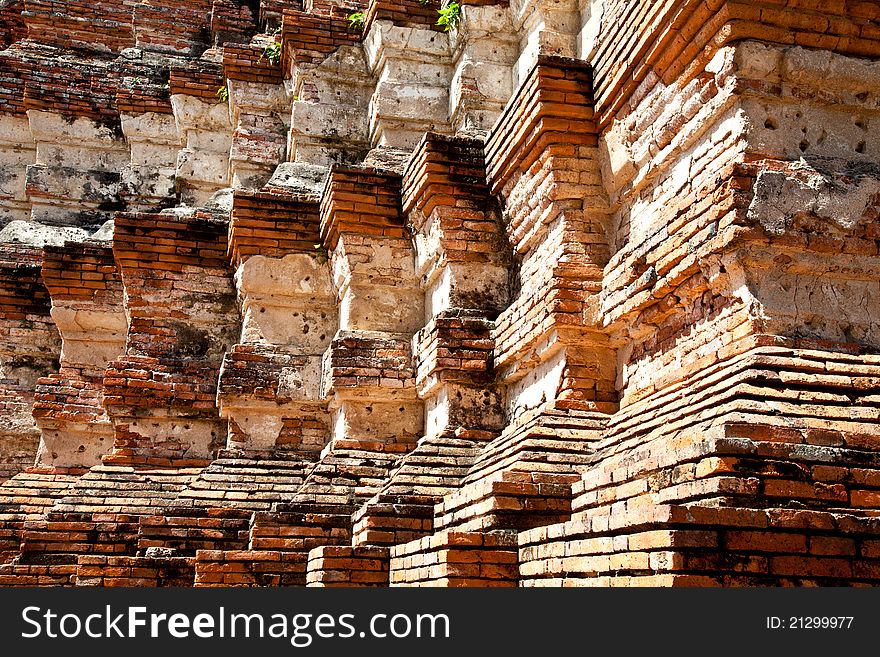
<point x="368" y="369"/>
<point x="331" y="87"/>
<point x="85" y="190"/>
<point x="544" y="27"/>
<point x="543" y="162"/>
<point x="204" y="127"/>
<point x="270" y="386"/>
<point x="17" y="151"/>
<point x="258" y="102"/>
<point x="161" y="394"/>
<point x="144" y="102"/>
<point x="484" y="49"/>
<point x="462" y="261"/>
<point x="405" y="51"/>
<point x="86" y="292"/>
<point x="269" y="389"/>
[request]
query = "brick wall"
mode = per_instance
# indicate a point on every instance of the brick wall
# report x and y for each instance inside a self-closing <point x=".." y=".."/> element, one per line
<point x="144" y="89"/>
<point x="102" y="26"/>
<point x="272" y="225"/>
<point x="251" y="568"/>
<point x="249" y="64"/>
<point x="234" y="21"/>
<point x="346" y="566"/>
<point x="12" y="27"/>
<point x="198" y="78"/>
<point x="67" y="87"/>
<point x="407" y="13"/>
<point x="456" y="559"/>
<point x="140" y="572"/>
<point x="618" y="330"/>
<point x="87" y="298"/>
<point x="173" y="26"/>
<point x="311" y="38"/>
<point x="680" y="31"/>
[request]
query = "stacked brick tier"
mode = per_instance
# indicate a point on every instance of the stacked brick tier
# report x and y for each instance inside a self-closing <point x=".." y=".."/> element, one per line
<point x="544" y="146"/>
<point x="346" y="566"/>
<point x="245" y="480"/>
<point x="363" y="201"/>
<point x="311" y="37"/>
<point x="320" y="512"/>
<point x="406" y="13"/>
<point x="675" y="39"/>
<point x="144" y="89"/>
<point x="86" y="292"/>
<point x="111" y="26"/>
<point x="456" y="559"/>
<point x="197" y="78"/>
<point x="403" y="510"/>
<point x="272" y="224"/>
<point x="58" y="537"/>
<point x="129" y="572"/>
<point x="172" y="26"/>
<point x="249" y="63"/>
<point x="80" y="25"/>
<point x="51" y="80"/>
<point x="127" y="490"/>
<point x="28" y="496"/>
<point x="445" y="184"/>
<point x="179" y="292"/>
<point x="249" y="568"/>
<point x="183" y="530"/>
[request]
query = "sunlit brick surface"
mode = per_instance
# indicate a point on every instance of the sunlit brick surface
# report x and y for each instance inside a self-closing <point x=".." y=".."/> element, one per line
<point x="317" y="293"/>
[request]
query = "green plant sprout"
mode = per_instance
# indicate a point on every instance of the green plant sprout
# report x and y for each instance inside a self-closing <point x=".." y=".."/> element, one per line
<point x="356" y="20"/>
<point x="320" y="253"/>
<point x="450" y="16"/>
<point x="272" y="53"/>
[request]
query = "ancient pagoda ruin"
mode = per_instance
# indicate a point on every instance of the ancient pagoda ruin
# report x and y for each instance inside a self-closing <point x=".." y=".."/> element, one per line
<point x="405" y="293"/>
